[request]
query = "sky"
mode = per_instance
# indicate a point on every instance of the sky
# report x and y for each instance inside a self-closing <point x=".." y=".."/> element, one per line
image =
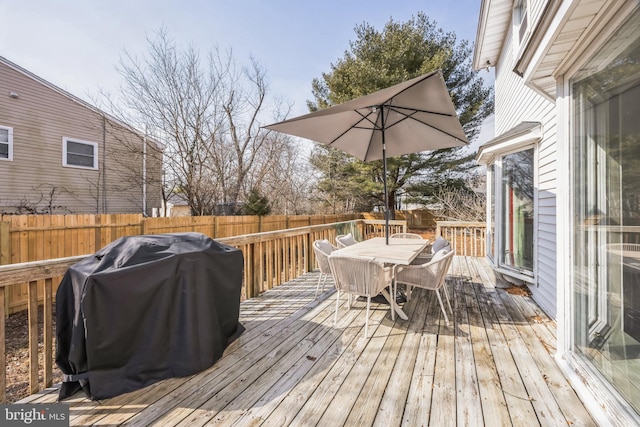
<point x="77" y="44"/>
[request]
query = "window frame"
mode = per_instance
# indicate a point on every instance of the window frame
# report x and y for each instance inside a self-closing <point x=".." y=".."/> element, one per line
<point x="9" y="143"/>
<point x="491" y="212"/>
<point x="521" y="20"/>
<point x="578" y="331"/>
<point x="496" y="193"/>
<point x="65" y="163"/>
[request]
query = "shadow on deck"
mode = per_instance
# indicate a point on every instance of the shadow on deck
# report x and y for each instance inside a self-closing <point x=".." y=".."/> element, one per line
<point x="492" y="366"/>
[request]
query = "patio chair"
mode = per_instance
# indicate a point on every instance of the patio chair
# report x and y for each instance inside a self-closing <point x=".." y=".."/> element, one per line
<point x="440" y="243"/>
<point x="322" y="249"/>
<point x="407" y="235"/>
<point x="360" y="276"/>
<point x="345" y="240"/>
<point x="430" y="275"/>
<point x="427" y="254"/>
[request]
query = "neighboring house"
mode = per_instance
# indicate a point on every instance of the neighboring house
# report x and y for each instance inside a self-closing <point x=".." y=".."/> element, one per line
<point x="59" y="154"/>
<point x="564" y="181"/>
<point x="175" y="206"/>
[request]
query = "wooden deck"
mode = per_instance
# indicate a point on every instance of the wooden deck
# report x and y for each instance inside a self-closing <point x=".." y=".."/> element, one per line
<point x="493" y="366"/>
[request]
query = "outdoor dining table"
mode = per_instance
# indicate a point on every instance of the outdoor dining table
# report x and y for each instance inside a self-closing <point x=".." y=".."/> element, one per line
<point x="399" y="251"/>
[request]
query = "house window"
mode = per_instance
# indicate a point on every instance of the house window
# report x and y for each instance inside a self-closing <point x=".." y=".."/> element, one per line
<point x="6" y="143"/>
<point x="511" y="199"/>
<point x="79" y="154"/>
<point x="606" y="212"/>
<point x="520" y="19"/>
<point x="516" y="211"/>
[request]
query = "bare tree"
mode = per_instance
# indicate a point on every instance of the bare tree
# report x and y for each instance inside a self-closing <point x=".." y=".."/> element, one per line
<point x="43" y="204"/>
<point x="132" y="160"/>
<point x="462" y="204"/>
<point x="285" y="179"/>
<point x="208" y="117"/>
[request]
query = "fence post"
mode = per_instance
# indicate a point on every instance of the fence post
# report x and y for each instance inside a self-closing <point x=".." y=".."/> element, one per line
<point x="5" y="245"/>
<point x="98" y="223"/>
<point x="143" y="226"/>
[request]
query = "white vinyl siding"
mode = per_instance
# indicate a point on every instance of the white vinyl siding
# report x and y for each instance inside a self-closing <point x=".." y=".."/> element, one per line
<point x="79" y="154"/>
<point x="6" y="143"/>
<point x="40" y="118"/>
<point x="545" y="293"/>
<point x="516" y="103"/>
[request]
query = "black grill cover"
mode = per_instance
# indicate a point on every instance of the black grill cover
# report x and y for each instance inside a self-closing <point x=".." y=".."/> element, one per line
<point x="146" y="308"/>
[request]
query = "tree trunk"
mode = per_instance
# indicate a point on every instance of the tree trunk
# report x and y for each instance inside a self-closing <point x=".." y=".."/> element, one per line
<point x="391" y="205"/>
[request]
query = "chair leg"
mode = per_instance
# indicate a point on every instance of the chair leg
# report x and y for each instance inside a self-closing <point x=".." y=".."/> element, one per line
<point x="446" y="319"/>
<point x="446" y="295"/>
<point x="335" y="317"/>
<point x="366" y="319"/>
<point x="318" y="285"/>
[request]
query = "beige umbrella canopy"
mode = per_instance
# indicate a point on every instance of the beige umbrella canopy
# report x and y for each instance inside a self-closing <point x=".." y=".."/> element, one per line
<point x="410" y="117"/>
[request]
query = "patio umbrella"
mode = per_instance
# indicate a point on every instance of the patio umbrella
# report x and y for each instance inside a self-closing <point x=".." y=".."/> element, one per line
<point x="410" y="117"/>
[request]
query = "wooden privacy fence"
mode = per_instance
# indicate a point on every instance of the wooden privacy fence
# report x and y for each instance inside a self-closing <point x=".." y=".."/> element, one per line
<point x="270" y="258"/>
<point x="25" y="238"/>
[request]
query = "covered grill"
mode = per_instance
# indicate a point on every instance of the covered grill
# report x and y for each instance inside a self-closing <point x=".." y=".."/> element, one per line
<point x="146" y="308"/>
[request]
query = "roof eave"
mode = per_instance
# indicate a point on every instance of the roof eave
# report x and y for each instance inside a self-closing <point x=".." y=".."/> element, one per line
<point x="495" y="15"/>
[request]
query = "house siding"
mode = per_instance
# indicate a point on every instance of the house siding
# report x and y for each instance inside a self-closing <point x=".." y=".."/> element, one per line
<point x="563" y="45"/>
<point x="40" y="117"/>
<point x="514" y="103"/>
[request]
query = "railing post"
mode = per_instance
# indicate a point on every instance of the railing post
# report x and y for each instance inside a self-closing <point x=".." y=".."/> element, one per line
<point x="3" y="349"/>
<point x="48" y="332"/>
<point x="309" y="252"/>
<point x="33" y="336"/>
<point x="257" y="269"/>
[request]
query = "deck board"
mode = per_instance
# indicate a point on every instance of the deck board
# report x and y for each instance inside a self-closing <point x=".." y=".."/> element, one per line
<point x="493" y="365"/>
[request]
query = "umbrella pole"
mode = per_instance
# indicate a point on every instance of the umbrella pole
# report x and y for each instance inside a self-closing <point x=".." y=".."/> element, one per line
<point x="384" y="179"/>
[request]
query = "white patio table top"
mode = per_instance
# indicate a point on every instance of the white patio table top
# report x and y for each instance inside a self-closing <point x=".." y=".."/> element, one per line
<point x="399" y="251"/>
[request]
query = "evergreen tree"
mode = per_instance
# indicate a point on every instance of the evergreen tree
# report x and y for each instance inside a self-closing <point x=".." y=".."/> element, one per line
<point x="377" y="60"/>
<point x="256" y="204"/>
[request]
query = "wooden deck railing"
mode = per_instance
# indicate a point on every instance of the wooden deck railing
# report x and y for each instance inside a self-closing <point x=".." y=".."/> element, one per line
<point x="270" y="258"/>
<point x="467" y="238"/>
<point x="31" y="272"/>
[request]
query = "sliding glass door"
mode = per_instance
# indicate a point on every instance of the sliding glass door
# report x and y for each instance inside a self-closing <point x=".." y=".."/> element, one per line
<point x="606" y="212"/>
